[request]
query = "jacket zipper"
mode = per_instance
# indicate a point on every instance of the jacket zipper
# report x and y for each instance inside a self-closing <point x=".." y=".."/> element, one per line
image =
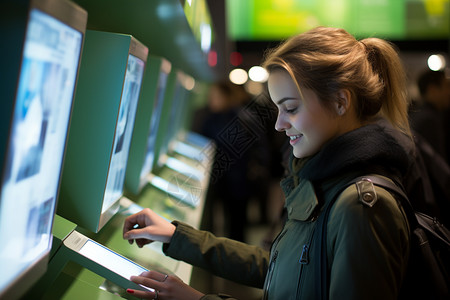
<point x="278" y="238"/>
<point x="304" y="260"/>
<point x="272" y="264"/>
<point x="271" y="267"/>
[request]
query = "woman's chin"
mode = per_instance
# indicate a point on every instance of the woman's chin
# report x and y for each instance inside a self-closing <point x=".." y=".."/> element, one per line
<point x="302" y="153"/>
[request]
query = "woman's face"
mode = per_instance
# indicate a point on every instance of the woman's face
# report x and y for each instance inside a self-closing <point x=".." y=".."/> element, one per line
<point x="307" y="123"/>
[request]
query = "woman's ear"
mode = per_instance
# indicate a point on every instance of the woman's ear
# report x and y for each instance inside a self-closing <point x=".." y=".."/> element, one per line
<point x="343" y="101"/>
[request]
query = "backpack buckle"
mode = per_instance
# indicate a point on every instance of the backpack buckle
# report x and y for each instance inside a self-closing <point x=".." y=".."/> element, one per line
<point x="366" y="192"/>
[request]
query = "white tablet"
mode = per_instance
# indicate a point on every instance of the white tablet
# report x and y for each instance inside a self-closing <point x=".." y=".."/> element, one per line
<point x="104" y="261"/>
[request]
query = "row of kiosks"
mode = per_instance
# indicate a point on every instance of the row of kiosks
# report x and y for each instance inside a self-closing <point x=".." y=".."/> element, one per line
<point x="93" y="129"/>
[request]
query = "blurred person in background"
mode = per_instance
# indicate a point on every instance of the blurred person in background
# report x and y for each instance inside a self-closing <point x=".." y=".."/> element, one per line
<point x="428" y="116"/>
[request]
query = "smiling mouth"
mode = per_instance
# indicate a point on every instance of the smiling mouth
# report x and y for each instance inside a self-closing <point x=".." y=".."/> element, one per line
<point x="294" y="138"/>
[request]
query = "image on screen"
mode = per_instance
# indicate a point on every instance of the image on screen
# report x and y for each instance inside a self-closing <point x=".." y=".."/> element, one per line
<point x="123" y="133"/>
<point x="30" y="179"/>
<point x="154" y="122"/>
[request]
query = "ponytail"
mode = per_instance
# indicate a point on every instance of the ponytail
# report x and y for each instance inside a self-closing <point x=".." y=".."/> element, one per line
<point x="385" y="62"/>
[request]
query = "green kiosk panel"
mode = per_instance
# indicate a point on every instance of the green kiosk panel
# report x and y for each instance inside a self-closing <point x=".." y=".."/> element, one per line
<point x="142" y="150"/>
<point x="107" y="94"/>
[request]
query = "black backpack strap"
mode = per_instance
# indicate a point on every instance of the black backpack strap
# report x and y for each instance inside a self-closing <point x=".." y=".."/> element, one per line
<point x="321" y="274"/>
<point x="320" y="239"/>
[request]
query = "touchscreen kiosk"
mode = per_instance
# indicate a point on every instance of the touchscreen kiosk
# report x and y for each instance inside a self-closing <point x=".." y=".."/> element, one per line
<point x="142" y="150"/>
<point x="175" y="113"/>
<point x="41" y="50"/>
<point x="104" y="261"/>
<point x="187" y="187"/>
<point x="107" y="95"/>
<point x="178" y="139"/>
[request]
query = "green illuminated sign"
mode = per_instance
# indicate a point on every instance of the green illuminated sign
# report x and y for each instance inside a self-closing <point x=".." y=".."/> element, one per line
<point x="279" y="19"/>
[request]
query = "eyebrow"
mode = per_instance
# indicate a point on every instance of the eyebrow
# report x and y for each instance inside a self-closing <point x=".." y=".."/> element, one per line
<point x="282" y="100"/>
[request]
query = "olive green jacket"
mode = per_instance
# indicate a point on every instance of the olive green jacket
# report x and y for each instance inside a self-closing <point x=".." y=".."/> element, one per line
<point x="366" y="261"/>
<point x="367" y="247"/>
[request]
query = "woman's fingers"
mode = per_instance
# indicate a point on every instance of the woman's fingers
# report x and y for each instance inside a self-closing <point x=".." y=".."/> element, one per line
<point x="140" y="233"/>
<point x="142" y="294"/>
<point x="166" y="287"/>
<point x="131" y="221"/>
<point x="155" y="275"/>
<point x="152" y="279"/>
<point x="142" y="242"/>
<point x="148" y="282"/>
<point x="146" y="224"/>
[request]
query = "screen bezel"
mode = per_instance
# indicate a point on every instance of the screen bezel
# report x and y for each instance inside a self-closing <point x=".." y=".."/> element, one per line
<point x="75" y="17"/>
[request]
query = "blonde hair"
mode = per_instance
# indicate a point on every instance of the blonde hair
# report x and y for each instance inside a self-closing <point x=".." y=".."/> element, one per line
<point x="327" y="60"/>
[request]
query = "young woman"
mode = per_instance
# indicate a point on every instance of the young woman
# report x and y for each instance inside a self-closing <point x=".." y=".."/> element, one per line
<point x="342" y="103"/>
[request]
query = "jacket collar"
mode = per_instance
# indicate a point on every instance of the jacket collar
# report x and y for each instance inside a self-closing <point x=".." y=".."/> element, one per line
<point x="369" y="149"/>
<point x="301" y="210"/>
<point x="366" y="149"/>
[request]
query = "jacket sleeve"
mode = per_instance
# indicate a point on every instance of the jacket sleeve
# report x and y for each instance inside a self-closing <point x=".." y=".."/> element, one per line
<point x="230" y="259"/>
<point x="368" y="247"/>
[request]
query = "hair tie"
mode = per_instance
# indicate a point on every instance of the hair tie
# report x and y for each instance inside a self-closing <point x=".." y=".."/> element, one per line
<point x="364" y="45"/>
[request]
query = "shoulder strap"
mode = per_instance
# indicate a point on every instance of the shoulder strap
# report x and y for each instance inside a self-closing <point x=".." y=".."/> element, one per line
<point x="384" y="183"/>
<point x="321" y="273"/>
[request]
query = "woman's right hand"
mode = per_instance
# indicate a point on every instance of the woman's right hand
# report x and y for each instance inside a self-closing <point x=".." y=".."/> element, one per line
<point x="165" y="287"/>
<point x="147" y="226"/>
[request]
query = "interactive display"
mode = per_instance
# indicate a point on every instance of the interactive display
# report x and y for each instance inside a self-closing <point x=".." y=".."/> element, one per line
<point x="178" y="109"/>
<point x="177" y="190"/>
<point x="197" y="139"/>
<point x="175" y="113"/>
<point x="190" y="151"/>
<point x="399" y="20"/>
<point x="104" y="261"/>
<point x="110" y="79"/>
<point x="154" y="122"/>
<point x="110" y="259"/>
<point x="184" y="168"/>
<point x="31" y="174"/>
<point x="124" y="130"/>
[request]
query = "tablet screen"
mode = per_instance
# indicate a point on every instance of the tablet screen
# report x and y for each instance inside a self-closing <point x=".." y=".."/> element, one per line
<point x="111" y="260"/>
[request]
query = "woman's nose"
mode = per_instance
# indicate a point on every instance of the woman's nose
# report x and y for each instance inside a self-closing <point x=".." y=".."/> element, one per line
<point x="281" y="124"/>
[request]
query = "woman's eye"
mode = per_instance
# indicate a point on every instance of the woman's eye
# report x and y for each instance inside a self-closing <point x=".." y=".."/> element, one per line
<point x="290" y="110"/>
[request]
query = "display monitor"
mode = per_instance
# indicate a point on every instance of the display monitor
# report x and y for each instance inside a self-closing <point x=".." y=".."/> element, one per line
<point x="46" y="37"/>
<point x="154" y="124"/>
<point x="106" y="100"/>
<point x="142" y="150"/>
<point x="181" y="107"/>
<point x="124" y="130"/>
<point x="175" y="114"/>
<point x="196" y="139"/>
